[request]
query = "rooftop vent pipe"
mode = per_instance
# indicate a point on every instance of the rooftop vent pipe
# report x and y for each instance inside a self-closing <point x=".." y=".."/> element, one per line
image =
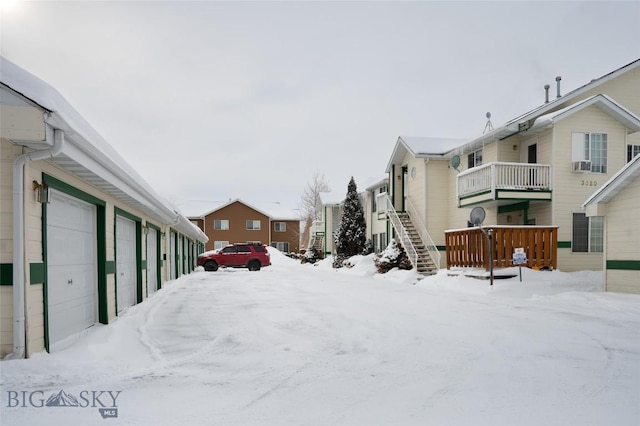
<point x="546" y="93"/>
<point x="558" y="78"/>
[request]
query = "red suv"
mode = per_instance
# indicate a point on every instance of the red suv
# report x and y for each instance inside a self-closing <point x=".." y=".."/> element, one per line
<point x="252" y="256"/>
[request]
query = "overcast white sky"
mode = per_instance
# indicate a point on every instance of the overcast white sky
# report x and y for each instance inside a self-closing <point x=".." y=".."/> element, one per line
<point x="214" y="100"/>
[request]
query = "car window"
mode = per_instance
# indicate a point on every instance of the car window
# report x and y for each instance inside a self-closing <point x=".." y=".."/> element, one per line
<point x="244" y="249"/>
<point x="259" y="249"/>
<point x="230" y="249"/>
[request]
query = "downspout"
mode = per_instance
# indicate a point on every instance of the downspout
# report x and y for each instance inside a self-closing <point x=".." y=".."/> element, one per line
<point x="19" y="281"/>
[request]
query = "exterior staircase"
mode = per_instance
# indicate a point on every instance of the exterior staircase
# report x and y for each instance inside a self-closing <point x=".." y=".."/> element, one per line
<point x="424" y="263"/>
<point x="317" y="241"/>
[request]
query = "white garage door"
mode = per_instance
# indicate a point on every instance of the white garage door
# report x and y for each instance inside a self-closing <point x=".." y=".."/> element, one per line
<point x="72" y="281"/>
<point x="125" y="262"/>
<point x="152" y="261"/>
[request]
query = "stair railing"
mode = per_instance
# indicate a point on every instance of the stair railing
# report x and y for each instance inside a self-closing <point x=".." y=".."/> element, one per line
<point x="402" y="233"/>
<point x="422" y="231"/>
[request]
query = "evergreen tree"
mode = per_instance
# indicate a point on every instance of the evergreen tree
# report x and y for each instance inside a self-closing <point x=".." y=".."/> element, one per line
<point x="351" y="235"/>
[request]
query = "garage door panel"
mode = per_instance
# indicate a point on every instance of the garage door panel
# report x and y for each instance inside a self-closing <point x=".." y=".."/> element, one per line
<point x="73" y="247"/>
<point x="126" y="262"/>
<point x="71" y="266"/>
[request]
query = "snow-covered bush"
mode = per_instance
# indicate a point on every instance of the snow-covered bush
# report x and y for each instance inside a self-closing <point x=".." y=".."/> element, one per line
<point x="310" y="256"/>
<point x="393" y="256"/>
<point x="368" y="247"/>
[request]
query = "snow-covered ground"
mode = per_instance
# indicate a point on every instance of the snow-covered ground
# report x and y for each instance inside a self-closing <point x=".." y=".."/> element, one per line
<point x="308" y="345"/>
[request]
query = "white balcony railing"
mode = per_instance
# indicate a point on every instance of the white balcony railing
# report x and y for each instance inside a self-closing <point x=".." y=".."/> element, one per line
<point x="492" y="176"/>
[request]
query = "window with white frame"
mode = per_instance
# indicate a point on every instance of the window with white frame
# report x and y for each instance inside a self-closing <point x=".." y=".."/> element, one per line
<point x="253" y="225"/>
<point x="221" y="225"/>
<point x="280" y="226"/>
<point x="220" y="244"/>
<point x="282" y="246"/>
<point x="474" y="159"/>
<point x="590" y="147"/>
<point x="588" y="234"/>
<point x="632" y="151"/>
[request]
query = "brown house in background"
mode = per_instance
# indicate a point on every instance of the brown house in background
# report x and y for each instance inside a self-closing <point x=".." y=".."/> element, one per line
<point x="238" y="222"/>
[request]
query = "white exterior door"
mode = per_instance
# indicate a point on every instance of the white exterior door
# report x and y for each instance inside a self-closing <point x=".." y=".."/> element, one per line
<point x="152" y="261"/>
<point x="72" y="279"/>
<point x="125" y="262"/>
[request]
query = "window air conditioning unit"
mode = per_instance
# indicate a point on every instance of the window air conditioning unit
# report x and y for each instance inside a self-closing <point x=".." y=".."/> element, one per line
<point x="582" y="166"/>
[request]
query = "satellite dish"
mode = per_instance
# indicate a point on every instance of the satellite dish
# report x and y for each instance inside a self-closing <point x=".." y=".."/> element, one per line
<point x="455" y="162"/>
<point x="477" y="216"/>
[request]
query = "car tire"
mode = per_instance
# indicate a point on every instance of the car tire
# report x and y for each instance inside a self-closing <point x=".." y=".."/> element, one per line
<point x="211" y="265"/>
<point x="254" y="265"/>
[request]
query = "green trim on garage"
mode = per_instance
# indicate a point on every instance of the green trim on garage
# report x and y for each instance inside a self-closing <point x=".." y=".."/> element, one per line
<point x="564" y="244"/>
<point x="624" y="265"/>
<point x="37" y="273"/>
<point x="101" y="250"/>
<point x="6" y="273"/>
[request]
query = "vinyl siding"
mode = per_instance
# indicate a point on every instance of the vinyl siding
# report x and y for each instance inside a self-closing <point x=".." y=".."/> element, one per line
<point x="623" y="238"/>
<point x="571" y="189"/>
<point x="437" y="219"/>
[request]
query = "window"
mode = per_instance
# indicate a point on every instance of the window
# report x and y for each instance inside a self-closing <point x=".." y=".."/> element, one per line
<point x="280" y="226"/>
<point x="283" y="247"/>
<point x="217" y="245"/>
<point x="474" y="159"/>
<point x="588" y="234"/>
<point x="253" y="225"/>
<point x="243" y="248"/>
<point x="632" y="151"/>
<point x="221" y="225"/>
<point x="590" y="147"/>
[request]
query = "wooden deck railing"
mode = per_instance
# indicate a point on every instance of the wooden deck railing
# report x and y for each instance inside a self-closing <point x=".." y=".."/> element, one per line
<point x="468" y="247"/>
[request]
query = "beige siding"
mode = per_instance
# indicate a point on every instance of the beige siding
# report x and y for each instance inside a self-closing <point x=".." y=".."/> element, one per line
<point x="35" y="318"/>
<point x="623" y="238"/>
<point x="623" y="235"/>
<point x="437" y="219"/>
<point x="571" y="189"/>
<point x="111" y="297"/>
<point x="7" y="154"/>
<point x="24" y="123"/>
<point x="623" y="281"/>
<point x="625" y="90"/>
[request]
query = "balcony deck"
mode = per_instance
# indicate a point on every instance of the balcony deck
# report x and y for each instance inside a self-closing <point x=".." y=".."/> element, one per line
<point x="502" y="183"/>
